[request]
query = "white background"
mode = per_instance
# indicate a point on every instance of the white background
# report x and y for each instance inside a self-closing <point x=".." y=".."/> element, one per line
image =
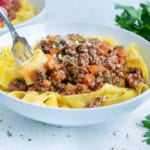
<point x="123" y="134"/>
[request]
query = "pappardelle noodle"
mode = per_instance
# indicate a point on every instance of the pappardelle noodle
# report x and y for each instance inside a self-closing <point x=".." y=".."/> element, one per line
<point x="74" y="71"/>
<point x="19" y="11"/>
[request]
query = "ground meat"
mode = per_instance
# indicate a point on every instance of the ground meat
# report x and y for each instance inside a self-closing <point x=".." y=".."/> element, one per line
<point x="57" y="77"/>
<point x="80" y="65"/>
<point x="99" y="82"/>
<point x="134" y="77"/>
<point x="45" y="46"/>
<point x="96" y="103"/>
<point x="37" y="76"/>
<point x="83" y="59"/>
<point x="70" y="89"/>
<point x="82" y="88"/>
<point x="31" y="87"/>
<point x="17" y="85"/>
<point x="71" y="52"/>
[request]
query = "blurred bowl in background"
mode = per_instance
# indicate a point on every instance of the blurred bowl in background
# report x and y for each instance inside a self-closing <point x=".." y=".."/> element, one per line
<point x="39" y="9"/>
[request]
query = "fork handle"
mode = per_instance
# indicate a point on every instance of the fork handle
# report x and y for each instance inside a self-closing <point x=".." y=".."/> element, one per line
<point x="8" y="23"/>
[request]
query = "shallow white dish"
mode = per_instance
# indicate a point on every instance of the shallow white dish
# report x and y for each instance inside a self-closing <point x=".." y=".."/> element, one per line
<point x="76" y="117"/>
<point x="40" y="6"/>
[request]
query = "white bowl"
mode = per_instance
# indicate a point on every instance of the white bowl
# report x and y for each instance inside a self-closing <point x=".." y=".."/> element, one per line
<point x="40" y="6"/>
<point x="76" y="117"/>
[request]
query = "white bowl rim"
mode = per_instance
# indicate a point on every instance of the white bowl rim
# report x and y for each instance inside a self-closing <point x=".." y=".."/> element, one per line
<point x="81" y="109"/>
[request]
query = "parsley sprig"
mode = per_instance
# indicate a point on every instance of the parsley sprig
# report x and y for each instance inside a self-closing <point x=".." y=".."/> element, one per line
<point x="135" y="20"/>
<point x="146" y="124"/>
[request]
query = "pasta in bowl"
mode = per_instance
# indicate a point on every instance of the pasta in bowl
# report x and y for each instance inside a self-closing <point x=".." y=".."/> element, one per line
<point x="77" y="71"/>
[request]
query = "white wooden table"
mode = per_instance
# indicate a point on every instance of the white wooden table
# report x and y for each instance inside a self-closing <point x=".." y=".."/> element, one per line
<point x="19" y="133"/>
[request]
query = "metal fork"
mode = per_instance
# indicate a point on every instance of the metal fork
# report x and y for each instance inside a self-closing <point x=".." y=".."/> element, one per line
<point x="21" y="50"/>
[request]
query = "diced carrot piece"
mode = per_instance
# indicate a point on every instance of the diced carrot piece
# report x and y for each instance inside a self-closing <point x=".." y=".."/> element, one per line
<point x="105" y="46"/>
<point x="93" y="69"/>
<point x="46" y="83"/>
<point x="49" y="56"/>
<point x="122" y="82"/>
<point x="88" y="79"/>
<point x="55" y="50"/>
<point x="122" y="54"/>
<point x="50" y="64"/>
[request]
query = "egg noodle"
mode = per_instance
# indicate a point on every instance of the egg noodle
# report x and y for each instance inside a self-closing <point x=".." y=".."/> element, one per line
<point x="26" y="12"/>
<point x="113" y="94"/>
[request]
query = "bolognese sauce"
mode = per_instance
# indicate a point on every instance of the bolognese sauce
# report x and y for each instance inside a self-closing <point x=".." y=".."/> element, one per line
<point x="80" y="65"/>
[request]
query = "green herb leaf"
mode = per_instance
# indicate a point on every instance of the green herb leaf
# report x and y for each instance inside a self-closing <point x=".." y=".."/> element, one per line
<point x="147" y="134"/>
<point x="148" y="141"/>
<point x="137" y="21"/>
<point x="148" y="117"/>
<point x="146" y="124"/>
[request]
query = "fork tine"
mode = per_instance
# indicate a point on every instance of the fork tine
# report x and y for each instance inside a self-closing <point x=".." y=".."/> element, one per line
<point x="25" y="55"/>
<point x="30" y="50"/>
<point x="28" y="47"/>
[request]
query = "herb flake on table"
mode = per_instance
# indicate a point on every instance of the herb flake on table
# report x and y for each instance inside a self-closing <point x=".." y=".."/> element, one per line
<point x="115" y="133"/>
<point x="29" y="139"/>
<point x="9" y="134"/>
<point x="146" y="124"/>
<point x="68" y="135"/>
<point x="135" y="20"/>
<point x="127" y="136"/>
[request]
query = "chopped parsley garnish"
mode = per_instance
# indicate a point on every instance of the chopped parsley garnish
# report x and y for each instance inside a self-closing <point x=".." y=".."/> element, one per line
<point x="89" y="46"/>
<point x="106" y="80"/>
<point x="112" y="77"/>
<point x="39" y="93"/>
<point x="77" y="55"/>
<point x="117" y="82"/>
<point x="60" y="57"/>
<point x="146" y="124"/>
<point x="75" y="75"/>
<point x="72" y="61"/>
<point x="67" y="56"/>
<point x="57" y="43"/>
<point x="81" y="41"/>
<point x="84" y="50"/>
<point x="9" y="134"/>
